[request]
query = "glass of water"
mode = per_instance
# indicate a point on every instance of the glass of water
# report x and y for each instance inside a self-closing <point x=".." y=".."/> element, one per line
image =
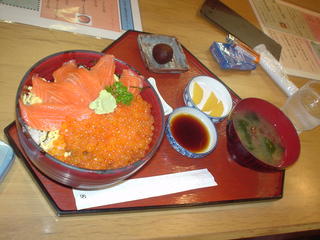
<point x="303" y="107"/>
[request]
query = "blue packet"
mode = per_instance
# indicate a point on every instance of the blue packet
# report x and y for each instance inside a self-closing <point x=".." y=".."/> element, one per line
<point x="232" y="56"/>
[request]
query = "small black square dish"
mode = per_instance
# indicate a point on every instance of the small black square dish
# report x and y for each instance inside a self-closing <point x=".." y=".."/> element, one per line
<point x="162" y="54"/>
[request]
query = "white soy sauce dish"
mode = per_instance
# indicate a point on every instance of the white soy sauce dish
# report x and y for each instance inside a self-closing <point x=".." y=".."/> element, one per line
<point x="209" y="96"/>
<point x="191" y="133"/>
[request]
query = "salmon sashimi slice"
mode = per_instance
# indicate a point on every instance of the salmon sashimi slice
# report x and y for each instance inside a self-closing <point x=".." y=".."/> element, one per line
<point x="71" y="92"/>
<point x="62" y="92"/>
<point x="61" y="73"/>
<point x="50" y="116"/>
<point x="87" y="81"/>
<point x="132" y="81"/>
<point x="104" y="70"/>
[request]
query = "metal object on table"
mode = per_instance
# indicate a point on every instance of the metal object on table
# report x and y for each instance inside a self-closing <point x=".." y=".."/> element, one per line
<point x="233" y="23"/>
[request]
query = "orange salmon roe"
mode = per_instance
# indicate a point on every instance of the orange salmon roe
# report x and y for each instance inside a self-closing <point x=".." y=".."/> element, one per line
<point x="106" y="141"/>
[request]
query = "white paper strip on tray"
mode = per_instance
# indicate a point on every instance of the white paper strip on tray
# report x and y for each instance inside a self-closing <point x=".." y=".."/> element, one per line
<point x="141" y="188"/>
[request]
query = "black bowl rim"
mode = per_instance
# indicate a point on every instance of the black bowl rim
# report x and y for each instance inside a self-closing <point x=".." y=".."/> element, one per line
<point x="135" y="165"/>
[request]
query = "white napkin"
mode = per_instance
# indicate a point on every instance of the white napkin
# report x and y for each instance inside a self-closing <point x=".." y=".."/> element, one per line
<point x="141" y="188"/>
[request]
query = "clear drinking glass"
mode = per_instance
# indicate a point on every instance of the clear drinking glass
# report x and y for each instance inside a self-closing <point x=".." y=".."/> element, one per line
<point x="303" y="107"/>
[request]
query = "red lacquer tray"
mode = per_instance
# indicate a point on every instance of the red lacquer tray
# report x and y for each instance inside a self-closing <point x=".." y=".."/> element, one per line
<point x="235" y="183"/>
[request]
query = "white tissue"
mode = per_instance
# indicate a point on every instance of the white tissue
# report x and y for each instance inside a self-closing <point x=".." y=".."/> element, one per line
<point x="275" y="70"/>
<point x="141" y="188"/>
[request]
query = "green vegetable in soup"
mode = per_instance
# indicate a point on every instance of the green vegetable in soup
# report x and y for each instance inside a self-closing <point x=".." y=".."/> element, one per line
<point x="253" y="117"/>
<point x="259" y="137"/>
<point x="243" y="126"/>
<point x="269" y="145"/>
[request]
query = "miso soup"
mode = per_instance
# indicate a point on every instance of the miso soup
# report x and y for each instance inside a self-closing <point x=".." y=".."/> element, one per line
<point x="259" y="137"/>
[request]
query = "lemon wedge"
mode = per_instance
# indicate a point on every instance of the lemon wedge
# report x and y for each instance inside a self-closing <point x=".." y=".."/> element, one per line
<point x="213" y="105"/>
<point x="197" y="93"/>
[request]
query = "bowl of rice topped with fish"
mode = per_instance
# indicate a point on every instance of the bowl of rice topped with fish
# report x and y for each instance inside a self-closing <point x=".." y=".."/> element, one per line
<point x="87" y="119"/>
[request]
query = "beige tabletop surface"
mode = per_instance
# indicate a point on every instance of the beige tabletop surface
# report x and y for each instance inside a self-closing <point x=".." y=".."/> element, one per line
<point x="26" y="214"/>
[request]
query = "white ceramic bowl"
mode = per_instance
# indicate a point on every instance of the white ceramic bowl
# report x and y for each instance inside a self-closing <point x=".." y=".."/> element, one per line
<point x="191" y="132"/>
<point x="208" y="85"/>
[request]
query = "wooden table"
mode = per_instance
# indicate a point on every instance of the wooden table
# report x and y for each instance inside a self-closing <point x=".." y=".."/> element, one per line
<point x="24" y="211"/>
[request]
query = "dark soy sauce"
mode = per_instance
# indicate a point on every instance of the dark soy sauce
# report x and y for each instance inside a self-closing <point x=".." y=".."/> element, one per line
<point x="190" y="133"/>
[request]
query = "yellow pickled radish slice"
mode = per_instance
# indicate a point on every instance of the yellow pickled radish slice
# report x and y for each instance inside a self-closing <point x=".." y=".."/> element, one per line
<point x="217" y="111"/>
<point x="197" y="93"/>
<point x="213" y="105"/>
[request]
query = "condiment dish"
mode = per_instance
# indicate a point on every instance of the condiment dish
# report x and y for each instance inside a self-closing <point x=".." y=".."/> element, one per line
<point x="209" y="96"/>
<point x="162" y="53"/>
<point x="191" y="132"/>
